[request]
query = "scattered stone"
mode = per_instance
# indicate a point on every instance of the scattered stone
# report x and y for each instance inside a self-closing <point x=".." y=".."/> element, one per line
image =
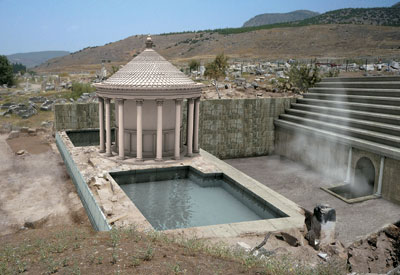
<point x="36" y="224"/>
<point x="46" y="124"/>
<point x="13" y="134"/>
<point x="24" y="129"/>
<point x="20" y="152"/>
<point x="243" y="246"/>
<point x="38" y="99"/>
<point x="323" y="256"/>
<point x="32" y="131"/>
<point x="107" y="209"/>
<point x="47" y="105"/>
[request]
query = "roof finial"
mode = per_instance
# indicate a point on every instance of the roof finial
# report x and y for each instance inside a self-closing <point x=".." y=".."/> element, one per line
<point x="149" y="42"/>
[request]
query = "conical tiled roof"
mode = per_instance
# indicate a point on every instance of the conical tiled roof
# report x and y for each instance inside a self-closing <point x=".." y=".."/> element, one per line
<point x="148" y="71"/>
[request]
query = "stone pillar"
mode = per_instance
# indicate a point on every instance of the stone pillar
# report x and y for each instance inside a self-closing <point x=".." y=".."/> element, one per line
<point x="322" y="226"/>
<point x="121" y="128"/>
<point x="159" y="147"/>
<point x="108" y="128"/>
<point x="178" y="107"/>
<point x="190" y="128"/>
<point x="101" y="124"/>
<point x="139" y="131"/>
<point x="196" y="125"/>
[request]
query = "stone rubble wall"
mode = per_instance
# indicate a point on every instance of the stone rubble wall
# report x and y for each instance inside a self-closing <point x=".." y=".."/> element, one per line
<point x="79" y="116"/>
<point x="229" y="128"/>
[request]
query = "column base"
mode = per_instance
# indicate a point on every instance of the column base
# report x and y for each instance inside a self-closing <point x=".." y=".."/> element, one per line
<point x="189" y="155"/>
<point x="102" y="151"/>
<point x="109" y="155"/>
<point x="177" y="158"/>
<point x="158" y="159"/>
<point x="196" y="151"/>
<point x="138" y="160"/>
<point x="121" y="158"/>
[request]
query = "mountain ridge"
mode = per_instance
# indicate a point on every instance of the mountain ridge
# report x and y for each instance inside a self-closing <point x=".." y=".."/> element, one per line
<point x="275" y="18"/>
<point x="32" y="59"/>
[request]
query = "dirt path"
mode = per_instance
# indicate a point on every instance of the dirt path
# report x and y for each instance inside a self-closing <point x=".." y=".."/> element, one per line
<point x="35" y="188"/>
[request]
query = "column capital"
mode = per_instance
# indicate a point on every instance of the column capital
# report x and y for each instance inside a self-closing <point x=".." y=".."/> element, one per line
<point x="160" y="102"/>
<point x="107" y="100"/>
<point x="121" y="99"/>
<point x="178" y="100"/>
<point x="139" y="101"/>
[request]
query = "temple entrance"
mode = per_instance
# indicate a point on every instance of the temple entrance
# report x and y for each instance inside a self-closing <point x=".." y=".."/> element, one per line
<point x="364" y="176"/>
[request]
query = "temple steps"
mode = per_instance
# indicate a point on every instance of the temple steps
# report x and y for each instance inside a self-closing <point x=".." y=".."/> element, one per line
<point x="361" y="79"/>
<point x="356" y="91"/>
<point x="361" y="110"/>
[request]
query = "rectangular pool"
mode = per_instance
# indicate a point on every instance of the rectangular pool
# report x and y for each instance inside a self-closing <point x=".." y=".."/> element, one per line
<point x="182" y="197"/>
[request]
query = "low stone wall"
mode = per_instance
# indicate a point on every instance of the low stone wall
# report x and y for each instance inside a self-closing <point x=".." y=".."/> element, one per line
<point x="229" y="128"/>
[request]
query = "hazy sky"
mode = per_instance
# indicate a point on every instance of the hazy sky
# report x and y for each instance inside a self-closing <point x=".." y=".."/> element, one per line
<point x="40" y="25"/>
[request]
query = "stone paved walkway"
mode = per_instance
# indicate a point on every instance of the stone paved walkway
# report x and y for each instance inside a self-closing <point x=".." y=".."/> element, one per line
<point x="301" y="185"/>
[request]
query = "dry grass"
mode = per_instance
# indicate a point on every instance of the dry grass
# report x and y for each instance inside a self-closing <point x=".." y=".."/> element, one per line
<point x="322" y="41"/>
<point x="82" y="251"/>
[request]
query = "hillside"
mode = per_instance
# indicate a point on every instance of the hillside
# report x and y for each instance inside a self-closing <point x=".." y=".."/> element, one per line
<point x="274" y="18"/>
<point x="33" y="59"/>
<point x="322" y="41"/>
<point x="370" y="16"/>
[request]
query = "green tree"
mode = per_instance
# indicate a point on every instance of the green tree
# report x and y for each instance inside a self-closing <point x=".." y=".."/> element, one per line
<point x="6" y="71"/>
<point x="217" y="69"/>
<point x="194" y="65"/>
<point x="18" y="67"/>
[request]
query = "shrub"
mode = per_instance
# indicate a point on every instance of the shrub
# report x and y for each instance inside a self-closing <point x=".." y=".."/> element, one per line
<point x="300" y="77"/>
<point x="79" y="88"/>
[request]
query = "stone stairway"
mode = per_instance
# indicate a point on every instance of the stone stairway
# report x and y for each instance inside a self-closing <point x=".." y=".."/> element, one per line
<point x="363" y="112"/>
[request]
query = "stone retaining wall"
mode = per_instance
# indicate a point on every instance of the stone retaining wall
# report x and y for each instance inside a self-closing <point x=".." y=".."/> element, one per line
<point x="229" y="128"/>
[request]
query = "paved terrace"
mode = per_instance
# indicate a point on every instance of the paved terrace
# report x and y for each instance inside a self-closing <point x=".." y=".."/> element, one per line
<point x="303" y="186"/>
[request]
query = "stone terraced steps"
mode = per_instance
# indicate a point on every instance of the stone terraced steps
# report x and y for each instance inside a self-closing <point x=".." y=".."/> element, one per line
<point x="363" y="112"/>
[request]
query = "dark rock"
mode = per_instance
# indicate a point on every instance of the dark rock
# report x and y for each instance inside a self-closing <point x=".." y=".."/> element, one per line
<point x="392" y="232"/>
<point x="291" y="240"/>
<point x="47" y="105"/>
<point x="36" y="224"/>
<point x="38" y="99"/>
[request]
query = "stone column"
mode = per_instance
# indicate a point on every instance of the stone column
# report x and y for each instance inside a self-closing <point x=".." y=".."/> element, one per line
<point x="101" y="124"/>
<point x="196" y="125"/>
<point x="121" y="128"/>
<point x="190" y="128"/>
<point x="139" y="131"/>
<point x="178" y="107"/>
<point x="159" y="147"/>
<point x="108" y="128"/>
